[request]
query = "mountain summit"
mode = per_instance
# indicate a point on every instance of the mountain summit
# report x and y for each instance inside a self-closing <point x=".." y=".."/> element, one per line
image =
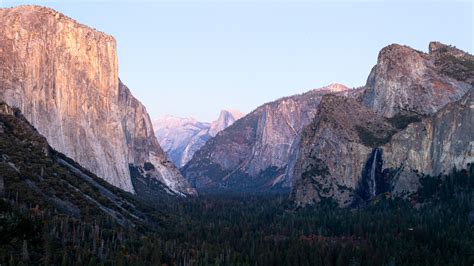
<point x="226" y="118"/>
<point x="182" y="137"/>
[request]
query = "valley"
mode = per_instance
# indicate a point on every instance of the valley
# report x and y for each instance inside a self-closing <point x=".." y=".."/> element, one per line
<point x="381" y="174"/>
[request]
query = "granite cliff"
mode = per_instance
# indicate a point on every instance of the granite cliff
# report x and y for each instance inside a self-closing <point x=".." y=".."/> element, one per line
<point x="413" y="118"/>
<point x="254" y="153"/>
<point x="434" y="146"/>
<point x="334" y="149"/>
<point x="63" y="76"/>
<point x="40" y="176"/>
<point x="409" y="81"/>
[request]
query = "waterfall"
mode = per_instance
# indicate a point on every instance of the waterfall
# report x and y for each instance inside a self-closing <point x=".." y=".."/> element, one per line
<point x="372" y="184"/>
<point x="2" y="187"/>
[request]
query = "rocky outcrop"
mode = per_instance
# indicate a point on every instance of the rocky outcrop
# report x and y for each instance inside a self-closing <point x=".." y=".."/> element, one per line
<point x="413" y="118"/>
<point x="434" y="146"/>
<point x="254" y="153"/>
<point x="144" y="153"/>
<point x="63" y="77"/>
<point x="182" y="137"/>
<point x="409" y="81"/>
<point x="334" y="150"/>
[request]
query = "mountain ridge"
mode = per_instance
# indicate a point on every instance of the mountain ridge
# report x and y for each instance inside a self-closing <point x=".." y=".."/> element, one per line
<point x="255" y="151"/>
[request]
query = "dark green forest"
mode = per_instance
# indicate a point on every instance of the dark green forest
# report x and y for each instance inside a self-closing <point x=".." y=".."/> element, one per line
<point x="434" y="228"/>
<point x="53" y="212"/>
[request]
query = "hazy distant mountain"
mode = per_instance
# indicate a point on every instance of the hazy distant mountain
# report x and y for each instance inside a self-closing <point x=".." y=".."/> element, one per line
<point x="226" y="118"/>
<point x="182" y="137"/>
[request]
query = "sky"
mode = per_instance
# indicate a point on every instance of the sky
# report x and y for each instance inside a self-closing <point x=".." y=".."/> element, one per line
<point x="194" y="58"/>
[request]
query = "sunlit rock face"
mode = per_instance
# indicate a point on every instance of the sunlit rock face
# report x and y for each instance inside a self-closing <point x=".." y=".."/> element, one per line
<point x="407" y="80"/>
<point x="63" y="77"/>
<point x="143" y="147"/>
<point x="255" y="152"/>
<point x="182" y="137"/>
<point x="413" y="118"/>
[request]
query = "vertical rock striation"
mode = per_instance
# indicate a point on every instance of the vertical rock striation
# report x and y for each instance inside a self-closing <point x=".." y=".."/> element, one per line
<point x="63" y="76"/>
<point x="414" y="117"/>
<point x="334" y="150"/>
<point x="143" y="147"/>
<point x="434" y="146"/>
<point x="254" y="153"/>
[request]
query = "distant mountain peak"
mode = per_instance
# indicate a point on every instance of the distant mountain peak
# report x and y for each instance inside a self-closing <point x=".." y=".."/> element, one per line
<point x="173" y="121"/>
<point x="336" y="87"/>
<point x="226" y="118"/>
<point x="182" y="137"/>
<point x="235" y="113"/>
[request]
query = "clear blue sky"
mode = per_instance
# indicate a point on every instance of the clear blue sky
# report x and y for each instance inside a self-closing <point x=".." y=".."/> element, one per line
<point x="197" y="57"/>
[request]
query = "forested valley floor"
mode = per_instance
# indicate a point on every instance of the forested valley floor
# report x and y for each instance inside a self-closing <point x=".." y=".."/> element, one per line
<point x="435" y="228"/>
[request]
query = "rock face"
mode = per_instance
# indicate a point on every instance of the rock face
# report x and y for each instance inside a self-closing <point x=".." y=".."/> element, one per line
<point x="406" y="80"/>
<point x="182" y="137"/>
<point x="413" y="117"/>
<point x="433" y="146"/>
<point x="63" y="77"/>
<point x="334" y="149"/>
<point x="144" y="153"/>
<point x="254" y="153"/>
